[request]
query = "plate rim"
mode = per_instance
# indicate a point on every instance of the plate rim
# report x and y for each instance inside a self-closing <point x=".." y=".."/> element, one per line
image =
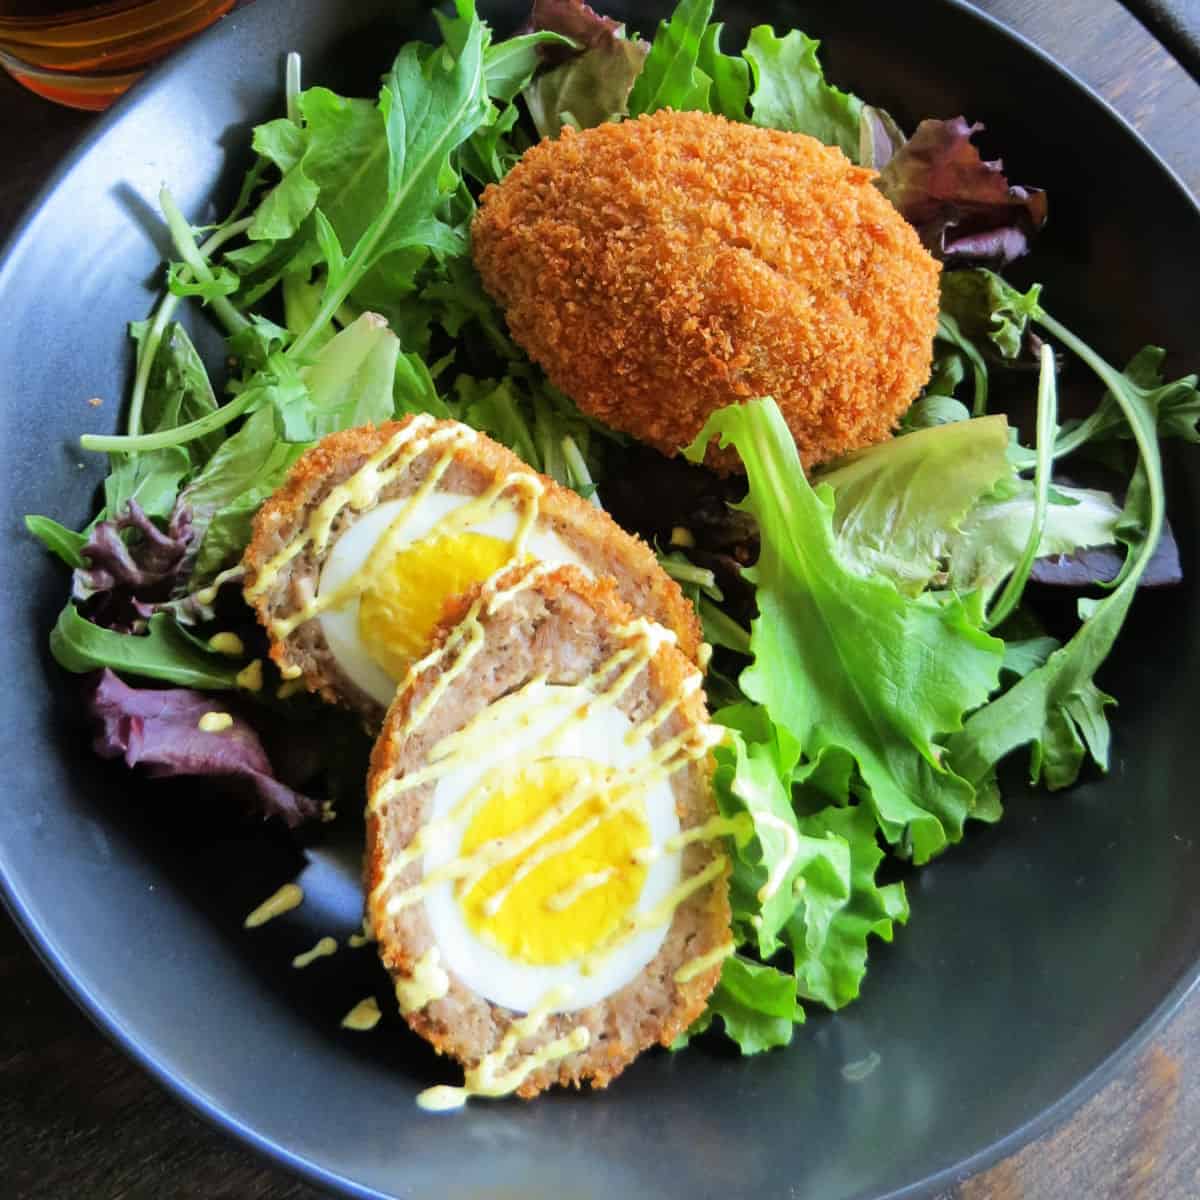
<point x="125" y="1037"/>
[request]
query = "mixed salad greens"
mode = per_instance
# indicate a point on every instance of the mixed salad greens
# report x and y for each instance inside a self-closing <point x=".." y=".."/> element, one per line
<point x="877" y="657"/>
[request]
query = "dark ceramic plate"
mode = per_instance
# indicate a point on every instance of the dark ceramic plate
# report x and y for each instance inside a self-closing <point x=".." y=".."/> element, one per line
<point x="1037" y="952"/>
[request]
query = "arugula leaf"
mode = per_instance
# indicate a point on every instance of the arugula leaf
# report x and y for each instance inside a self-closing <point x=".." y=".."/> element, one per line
<point x="430" y="103"/>
<point x="178" y="389"/>
<point x="58" y="539"/>
<point x="224" y="497"/>
<point x="848" y="663"/>
<point x="511" y="64"/>
<point x="756" y="1003"/>
<point x="790" y="91"/>
<point x="163" y="652"/>
<point x="672" y="77"/>
<point x="1177" y="403"/>
<point x="985" y="308"/>
<point x="1057" y="708"/>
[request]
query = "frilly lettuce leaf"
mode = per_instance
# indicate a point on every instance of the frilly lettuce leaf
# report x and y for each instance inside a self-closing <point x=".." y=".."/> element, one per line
<point x="850" y="664"/>
<point x="790" y="91"/>
<point x="943" y="506"/>
<point x="836" y="911"/>
<point x="752" y="780"/>
<point x="990" y="541"/>
<point x="756" y="1003"/>
<point x="897" y="504"/>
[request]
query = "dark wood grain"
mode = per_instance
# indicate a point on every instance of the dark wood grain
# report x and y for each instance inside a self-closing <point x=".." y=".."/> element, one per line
<point x="79" y="1120"/>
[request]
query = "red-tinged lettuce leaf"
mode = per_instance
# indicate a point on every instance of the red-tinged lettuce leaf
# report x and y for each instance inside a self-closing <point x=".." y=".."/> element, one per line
<point x="131" y="567"/>
<point x="573" y="19"/>
<point x="159" y="730"/>
<point x="963" y="207"/>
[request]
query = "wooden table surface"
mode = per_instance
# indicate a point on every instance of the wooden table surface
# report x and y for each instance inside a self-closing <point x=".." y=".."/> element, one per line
<point x="78" y="1120"/>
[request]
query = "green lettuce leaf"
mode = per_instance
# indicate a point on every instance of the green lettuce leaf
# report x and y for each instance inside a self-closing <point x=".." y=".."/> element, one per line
<point x="790" y="91"/>
<point x="991" y="539"/>
<point x="730" y="92"/>
<point x="837" y="911"/>
<point x="671" y="77"/>
<point x="590" y="89"/>
<point x="897" y="505"/>
<point x="756" y="1003"/>
<point x="225" y="495"/>
<point x="850" y="664"/>
<point x="750" y="782"/>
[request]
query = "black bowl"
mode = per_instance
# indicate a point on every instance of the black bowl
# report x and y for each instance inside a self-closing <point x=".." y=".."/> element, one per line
<point x="1037" y="951"/>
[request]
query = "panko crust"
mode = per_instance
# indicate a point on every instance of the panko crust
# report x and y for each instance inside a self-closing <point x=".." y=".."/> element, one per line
<point x="663" y="267"/>
<point x="590" y="532"/>
<point x="566" y="625"/>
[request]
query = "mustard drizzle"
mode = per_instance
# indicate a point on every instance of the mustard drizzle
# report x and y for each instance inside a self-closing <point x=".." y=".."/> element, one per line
<point x="427" y="982"/>
<point x="490" y="1079"/>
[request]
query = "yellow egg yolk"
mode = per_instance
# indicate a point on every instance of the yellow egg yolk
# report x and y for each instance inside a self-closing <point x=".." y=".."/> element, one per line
<point x="402" y="605"/>
<point x="559" y="897"/>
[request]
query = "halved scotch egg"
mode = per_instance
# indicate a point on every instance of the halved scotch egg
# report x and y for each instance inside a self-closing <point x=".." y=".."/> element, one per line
<point x="544" y="873"/>
<point x="352" y="560"/>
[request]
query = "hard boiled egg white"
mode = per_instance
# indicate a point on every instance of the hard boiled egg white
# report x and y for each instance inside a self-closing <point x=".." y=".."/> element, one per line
<point x="374" y="637"/>
<point x="556" y="911"/>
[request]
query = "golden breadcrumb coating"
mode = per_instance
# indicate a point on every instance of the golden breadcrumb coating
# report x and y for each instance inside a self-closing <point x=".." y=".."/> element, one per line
<point x="664" y="267"/>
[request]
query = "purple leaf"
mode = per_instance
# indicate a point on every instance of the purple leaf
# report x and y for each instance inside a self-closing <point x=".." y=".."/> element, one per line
<point x="159" y="729"/>
<point x="573" y="19"/>
<point x="964" y="208"/>
<point x="127" y="578"/>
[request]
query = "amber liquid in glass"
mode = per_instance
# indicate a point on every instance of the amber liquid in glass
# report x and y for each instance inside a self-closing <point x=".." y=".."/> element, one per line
<point x="86" y="52"/>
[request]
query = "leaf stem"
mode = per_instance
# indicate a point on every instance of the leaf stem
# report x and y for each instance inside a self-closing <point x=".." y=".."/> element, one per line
<point x="721" y="629"/>
<point x="185" y="244"/>
<point x="577" y="466"/>
<point x="115" y="444"/>
<point x="686" y="572"/>
<point x="1047" y="422"/>
<point x="166" y="310"/>
<point x="292" y="86"/>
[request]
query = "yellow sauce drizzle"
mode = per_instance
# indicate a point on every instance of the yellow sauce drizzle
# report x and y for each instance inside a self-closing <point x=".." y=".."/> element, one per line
<point x="251" y="678"/>
<point x="702" y="962"/>
<point x="660" y="914"/>
<point x="290" y="896"/>
<point x="490" y="1078"/>
<point x="584" y="884"/>
<point x="214" y="722"/>
<point x="228" y="644"/>
<point x="207" y="595"/>
<point x="323" y="949"/>
<point x="784" y="865"/>
<point x="363" y="1016"/>
<point x="427" y="983"/>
